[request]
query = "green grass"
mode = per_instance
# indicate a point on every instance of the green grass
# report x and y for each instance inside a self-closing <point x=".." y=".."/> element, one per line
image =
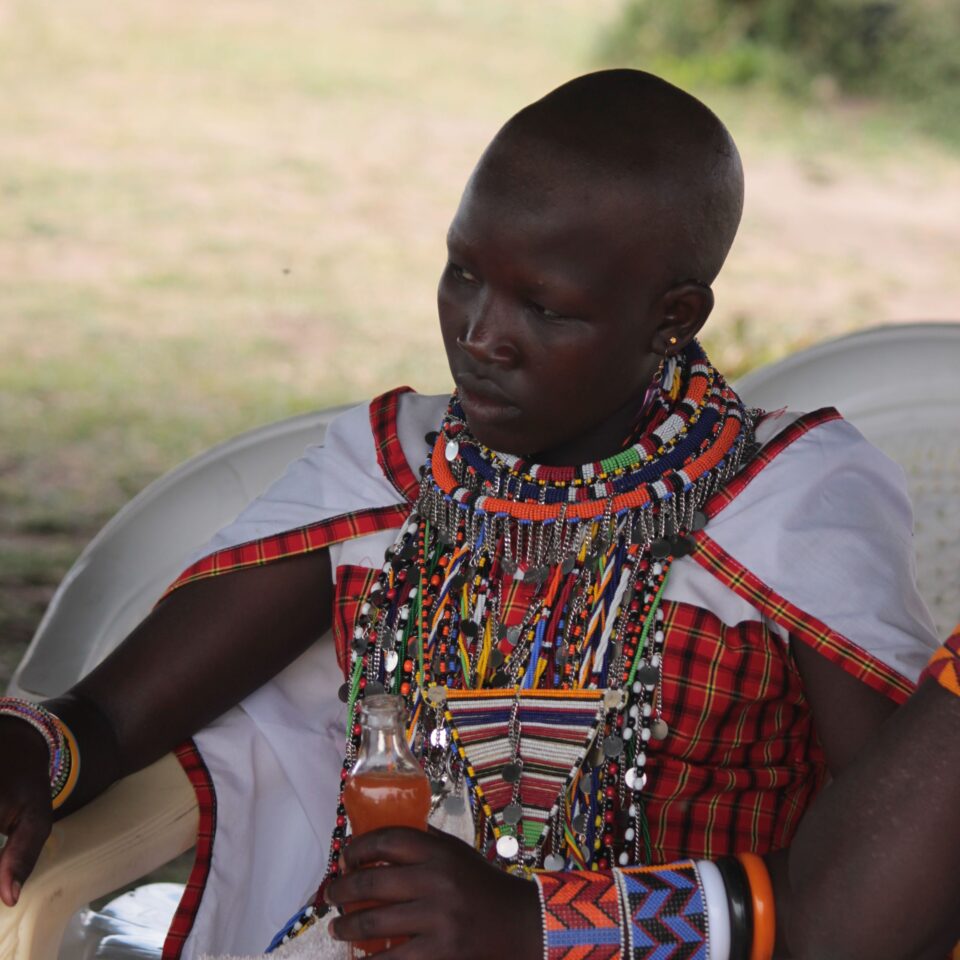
<point x="218" y="215"/>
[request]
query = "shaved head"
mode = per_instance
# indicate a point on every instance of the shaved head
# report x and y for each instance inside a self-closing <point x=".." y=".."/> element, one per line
<point x="629" y="138"/>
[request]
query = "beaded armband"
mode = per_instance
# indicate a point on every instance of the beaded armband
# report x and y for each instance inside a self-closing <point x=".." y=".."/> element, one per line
<point x="634" y="914"/>
<point x="581" y="915"/>
<point x="944" y="665"/>
<point x="64" y="767"/>
<point x="664" y="912"/>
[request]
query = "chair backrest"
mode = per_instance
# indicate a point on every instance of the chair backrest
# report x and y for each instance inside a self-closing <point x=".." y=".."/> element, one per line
<point x="900" y="386"/>
<point x="127" y="566"/>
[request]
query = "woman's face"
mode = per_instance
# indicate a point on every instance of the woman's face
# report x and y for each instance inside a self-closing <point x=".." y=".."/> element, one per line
<point x="548" y="306"/>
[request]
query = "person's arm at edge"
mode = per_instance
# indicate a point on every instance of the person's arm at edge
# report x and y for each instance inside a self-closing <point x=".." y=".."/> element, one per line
<point x="874" y="864"/>
<point x="201" y="650"/>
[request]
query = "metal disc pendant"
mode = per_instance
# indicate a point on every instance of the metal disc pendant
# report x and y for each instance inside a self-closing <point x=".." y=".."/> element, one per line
<point x="579" y="823"/>
<point x="553" y="862"/>
<point x="373" y="688"/>
<point x="612" y="746"/>
<point x="565" y="568"/>
<point x="451" y="450"/>
<point x="699" y="520"/>
<point x="536" y="574"/>
<point x="439" y="737"/>
<point x="507" y="847"/>
<point x="391" y="660"/>
<point x="648" y="674"/>
<point x="496" y="658"/>
<point x="344" y="692"/>
<point x="513" y="635"/>
<point x="681" y="546"/>
<point x="660" y="549"/>
<point x="659" y="729"/>
<point x="468" y="628"/>
<point x="512" y="813"/>
<point x="511" y="772"/>
<point x="509" y="567"/>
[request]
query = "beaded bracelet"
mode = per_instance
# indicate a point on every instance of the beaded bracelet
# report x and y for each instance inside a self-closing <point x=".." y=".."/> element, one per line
<point x="64" y="765"/>
<point x="944" y="665"/>
<point x="761" y="897"/>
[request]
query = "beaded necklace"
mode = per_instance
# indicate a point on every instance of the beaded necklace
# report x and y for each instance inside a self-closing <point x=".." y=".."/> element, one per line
<point x="518" y="614"/>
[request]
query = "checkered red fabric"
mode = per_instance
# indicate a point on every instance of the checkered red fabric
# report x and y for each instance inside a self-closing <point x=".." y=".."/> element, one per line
<point x="800" y="625"/>
<point x="944" y="665"/>
<point x="742" y="760"/>
<point x="390" y="455"/>
<point x="196" y="770"/>
<point x="353" y="585"/>
<point x="291" y="543"/>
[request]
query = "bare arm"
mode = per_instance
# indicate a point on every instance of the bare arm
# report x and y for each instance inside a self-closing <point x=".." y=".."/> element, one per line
<point x="200" y="652"/>
<point x="874" y="866"/>
<point x="847" y="715"/>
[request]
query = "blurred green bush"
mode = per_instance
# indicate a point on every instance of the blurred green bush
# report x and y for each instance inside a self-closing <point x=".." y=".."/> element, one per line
<point x="907" y="52"/>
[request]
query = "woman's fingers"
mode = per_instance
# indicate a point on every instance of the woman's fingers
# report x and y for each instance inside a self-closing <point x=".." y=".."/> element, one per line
<point x="385" y="883"/>
<point x="399" y="845"/>
<point x="379" y="922"/>
<point x="26" y="829"/>
<point x="25" y="812"/>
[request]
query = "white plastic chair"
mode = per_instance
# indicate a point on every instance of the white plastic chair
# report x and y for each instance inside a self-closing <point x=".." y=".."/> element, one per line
<point x="147" y="819"/>
<point x="898" y="384"/>
<point x="137" y="555"/>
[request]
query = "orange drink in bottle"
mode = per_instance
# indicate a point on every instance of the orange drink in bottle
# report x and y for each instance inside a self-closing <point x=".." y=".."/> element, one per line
<point x="385" y="788"/>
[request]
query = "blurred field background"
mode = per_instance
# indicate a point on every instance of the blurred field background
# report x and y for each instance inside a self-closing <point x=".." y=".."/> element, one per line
<point x="214" y="215"/>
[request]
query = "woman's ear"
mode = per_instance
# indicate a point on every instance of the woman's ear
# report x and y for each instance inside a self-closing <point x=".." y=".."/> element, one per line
<point x="683" y="311"/>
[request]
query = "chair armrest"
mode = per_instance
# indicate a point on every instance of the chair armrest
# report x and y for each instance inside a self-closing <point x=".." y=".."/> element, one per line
<point x="137" y="825"/>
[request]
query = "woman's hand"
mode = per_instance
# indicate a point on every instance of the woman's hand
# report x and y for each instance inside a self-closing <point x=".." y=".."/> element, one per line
<point x="25" y="811"/>
<point x="441" y="893"/>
